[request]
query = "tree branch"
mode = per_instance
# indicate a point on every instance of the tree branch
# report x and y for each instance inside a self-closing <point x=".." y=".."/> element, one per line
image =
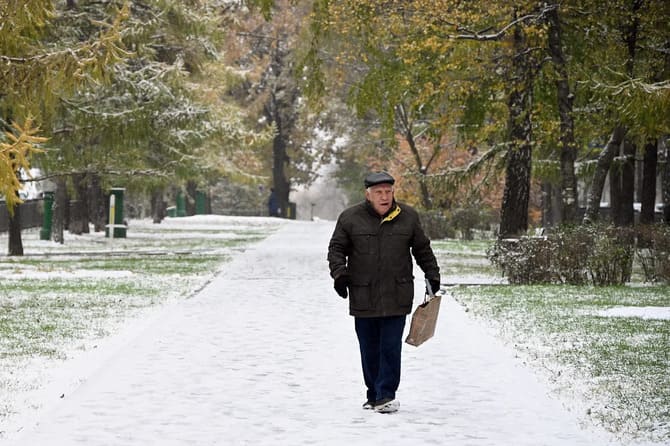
<point x="132" y="172"/>
<point x="478" y="36"/>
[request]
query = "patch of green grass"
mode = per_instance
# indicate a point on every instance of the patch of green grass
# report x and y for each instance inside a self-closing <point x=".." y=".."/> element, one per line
<point x="476" y="248"/>
<point x="141" y="264"/>
<point x="159" y="264"/>
<point x="558" y="329"/>
<point x="463" y="257"/>
<point x="44" y="316"/>
<point x="35" y="289"/>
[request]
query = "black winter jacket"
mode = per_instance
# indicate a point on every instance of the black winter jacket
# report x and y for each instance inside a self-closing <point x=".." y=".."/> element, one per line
<point x="376" y="254"/>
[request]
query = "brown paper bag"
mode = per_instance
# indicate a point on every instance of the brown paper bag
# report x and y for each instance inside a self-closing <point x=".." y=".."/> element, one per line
<point x="423" y="323"/>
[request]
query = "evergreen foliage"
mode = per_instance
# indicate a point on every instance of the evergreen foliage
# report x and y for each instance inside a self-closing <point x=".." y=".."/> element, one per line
<point x="36" y="71"/>
<point x="117" y="88"/>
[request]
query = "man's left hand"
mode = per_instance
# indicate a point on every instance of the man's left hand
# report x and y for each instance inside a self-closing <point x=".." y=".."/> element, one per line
<point x="341" y="285"/>
<point x="434" y="286"/>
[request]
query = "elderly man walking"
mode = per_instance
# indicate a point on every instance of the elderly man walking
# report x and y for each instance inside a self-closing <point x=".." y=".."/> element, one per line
<point x="370" y="259"/>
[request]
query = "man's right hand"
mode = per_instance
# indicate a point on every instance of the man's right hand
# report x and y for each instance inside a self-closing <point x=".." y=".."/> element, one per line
<point x="341" y="284"/>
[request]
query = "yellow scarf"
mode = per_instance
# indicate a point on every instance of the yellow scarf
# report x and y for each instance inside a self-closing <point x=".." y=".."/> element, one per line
<point x="394" y="213"/>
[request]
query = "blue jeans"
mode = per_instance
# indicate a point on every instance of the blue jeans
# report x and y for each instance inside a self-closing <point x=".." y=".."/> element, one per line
<point x="380" y="341"/>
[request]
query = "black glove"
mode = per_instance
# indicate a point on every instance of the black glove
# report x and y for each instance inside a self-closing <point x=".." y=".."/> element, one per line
<point x="341" y="284"/>
<point x="434" y="286"/>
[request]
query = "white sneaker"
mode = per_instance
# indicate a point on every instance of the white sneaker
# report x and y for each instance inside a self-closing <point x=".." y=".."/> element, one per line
<point x="389" y="406"/>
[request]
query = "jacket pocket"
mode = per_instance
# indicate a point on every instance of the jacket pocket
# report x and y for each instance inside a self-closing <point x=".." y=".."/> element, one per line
<point x="400" y="239"/>
<point x="363" y="243"/>
<point x="404" y="291"/>
<point x="360" y="294"/>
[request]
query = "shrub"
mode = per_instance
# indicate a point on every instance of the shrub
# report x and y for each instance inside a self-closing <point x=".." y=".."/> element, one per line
<point x="601" y="255"/>
<point x="572" y="247"/>
<point x="653" y="252"/>
<point x="610" y="261"/>
<point x="524" y="260"/>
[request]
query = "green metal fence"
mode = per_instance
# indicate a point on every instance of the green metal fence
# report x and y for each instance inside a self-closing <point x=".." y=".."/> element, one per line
<point x="31" y="214"/>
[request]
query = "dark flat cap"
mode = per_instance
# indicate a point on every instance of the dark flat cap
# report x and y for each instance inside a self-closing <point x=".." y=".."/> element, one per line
<point x="375" y="178"/>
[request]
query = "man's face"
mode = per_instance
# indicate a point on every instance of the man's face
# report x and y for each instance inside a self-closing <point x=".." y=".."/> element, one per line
<point x="381" y="197"/>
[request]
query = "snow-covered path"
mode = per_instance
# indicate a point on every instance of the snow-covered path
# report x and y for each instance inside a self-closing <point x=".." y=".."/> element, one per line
<point x="266" y="354"/>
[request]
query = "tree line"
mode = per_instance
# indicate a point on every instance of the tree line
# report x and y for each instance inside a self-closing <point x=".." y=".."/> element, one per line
<point x="468" y="102"/>
<point x="135" y="93"/>
<point x="555" y="94"/>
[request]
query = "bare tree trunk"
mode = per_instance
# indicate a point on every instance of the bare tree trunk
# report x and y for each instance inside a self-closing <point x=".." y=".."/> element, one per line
<point x="628" y="184"/>
<point x="616" y="199"/>
<point x="547" y="210"/>
<point x="598" y="181"/>
<point x="78" y="221"/>
<point x="565" y="100"/>
<point x="630" y="33"/>
<point x="648" y="200"/>
<point x="158" y="205"/>
<point x="281" y="111"/>
<point x="15" y="243"/>
<point x="425" y="193"/>
<point x="59" y="214"/>
<point x="551" y="205"/>
<point x="280" y="161"/>
<point x="514" y="212"/>
<point x="96" y="204"/>
<point x="623" y="213"/>
<point x="191" y="191"/>
<point x="405" y="126"/>
<point x="77" y="218"/>
<point x="665" y="181"/>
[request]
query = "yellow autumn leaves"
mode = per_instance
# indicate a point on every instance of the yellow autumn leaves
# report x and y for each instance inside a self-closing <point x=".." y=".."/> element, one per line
<point x="15" y="156"/>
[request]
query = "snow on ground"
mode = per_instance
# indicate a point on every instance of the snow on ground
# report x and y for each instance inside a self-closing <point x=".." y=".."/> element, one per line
<point x="266" y="354"/>
<point x="171" y="231"/>
<point x="471" y="279"/>
<point x="211" y="222"/>
<point x="35" y="273"/>
<point x="641" y="312"/>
